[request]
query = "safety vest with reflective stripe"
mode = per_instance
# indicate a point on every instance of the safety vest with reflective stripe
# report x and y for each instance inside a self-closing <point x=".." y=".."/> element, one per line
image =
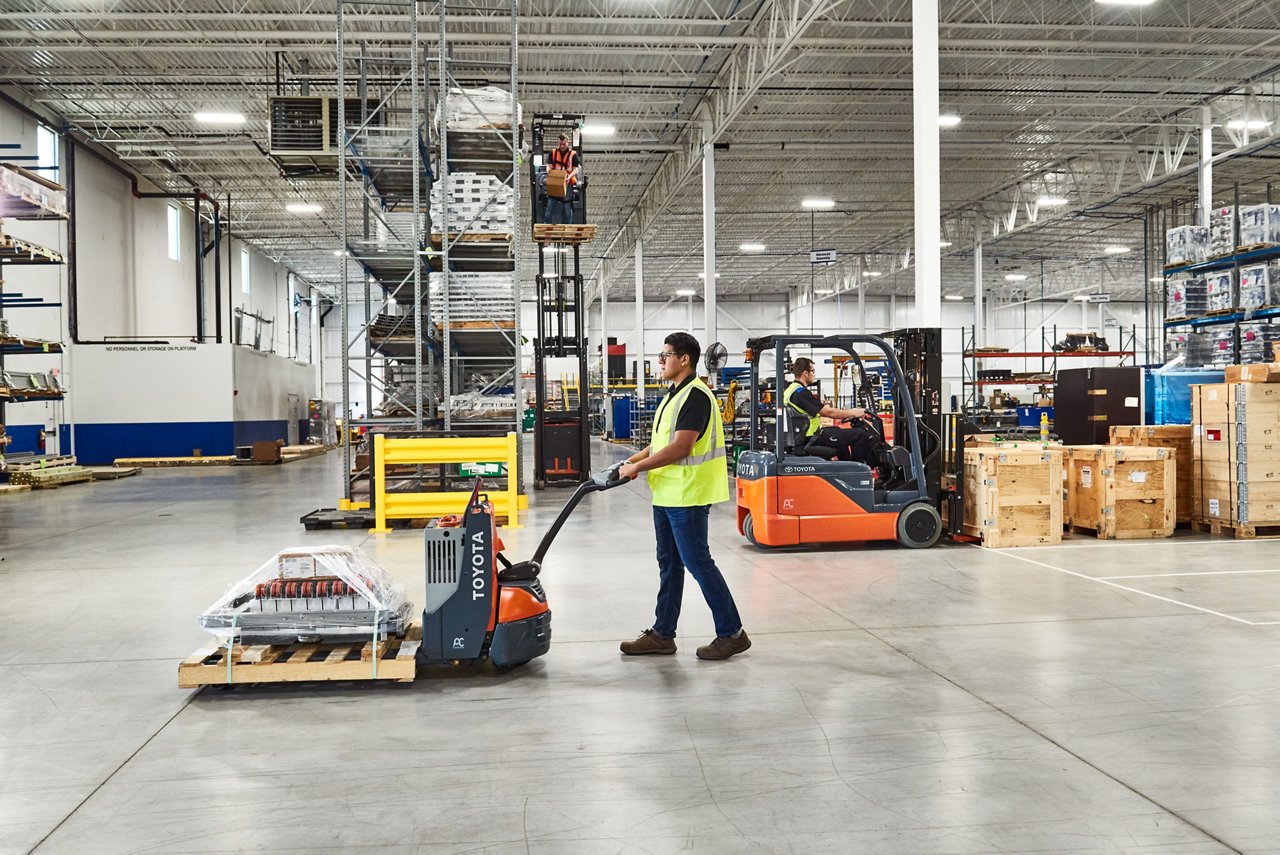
<point x="815" y="423"/>
<point x="563" y="160"/>
<point x="701" y="478"/>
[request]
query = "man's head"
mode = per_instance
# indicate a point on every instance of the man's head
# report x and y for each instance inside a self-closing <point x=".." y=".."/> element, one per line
<point x="564" y="142"/>
<point x="804" y="370"/>
<point x="679" y="355"/>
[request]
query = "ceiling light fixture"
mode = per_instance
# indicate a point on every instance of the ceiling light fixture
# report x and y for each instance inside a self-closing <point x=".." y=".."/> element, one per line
<point x="685" y="292"/>
<point x="815" y="204"/>
<point x="1015" y="277"/>
<point x="874" y="273"/>
<point x="703" y="275"/>
<point x="752" y="247"/>
<point x="1125" y="2"/>
<point x="1248" y="124"/>
<point x="823" y="291"/>
<point x="1158" y="280"/>
<point x="949" y="120"/>
<point x="953" y="297"/>
<point x="599" y="129"/>
<point x="1116" y="250"/>
<point x="212" y="118"/>
<point x="1051" y="202"/>
<point x="944" y="244"/>
<point x="303" y="208"/>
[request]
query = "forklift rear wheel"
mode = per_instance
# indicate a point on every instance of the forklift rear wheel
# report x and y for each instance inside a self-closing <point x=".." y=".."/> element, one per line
<point x="749" y="530"/>
<point x="919" y="526"/>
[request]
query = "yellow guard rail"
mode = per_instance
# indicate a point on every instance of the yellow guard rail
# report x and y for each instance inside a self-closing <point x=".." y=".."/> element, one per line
<point x="391" y="451"/>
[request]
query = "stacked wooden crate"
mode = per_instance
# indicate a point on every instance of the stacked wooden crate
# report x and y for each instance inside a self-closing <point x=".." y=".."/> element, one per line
<point x="1013" y="495"/>
<point x="1174" y="437"/>
<point x="1236" y="447"/>
<point x="1121" y="493"/>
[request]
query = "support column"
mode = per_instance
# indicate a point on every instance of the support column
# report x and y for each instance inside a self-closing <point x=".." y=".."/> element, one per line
<point x="604" y="341"/>
<point x="979" y="334"/>
<point x="1206" y="164"/>
<point x="709" y="237"/>
<point x="639" y="342"/>
<point x="928" y="171"/>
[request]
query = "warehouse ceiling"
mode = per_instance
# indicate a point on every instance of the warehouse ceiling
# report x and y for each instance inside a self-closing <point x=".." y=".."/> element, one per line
<point x="1100" y="105"/>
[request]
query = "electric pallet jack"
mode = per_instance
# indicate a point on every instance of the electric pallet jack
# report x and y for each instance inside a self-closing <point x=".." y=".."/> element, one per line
<point x="793" y="493"/>
<point x="478" y="604"/>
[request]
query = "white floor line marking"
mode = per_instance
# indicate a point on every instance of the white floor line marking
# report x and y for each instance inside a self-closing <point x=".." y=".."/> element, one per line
<point x="1126" y="588"/>
<point x="1201" y="573"/>
<point x="1091" y="543"/>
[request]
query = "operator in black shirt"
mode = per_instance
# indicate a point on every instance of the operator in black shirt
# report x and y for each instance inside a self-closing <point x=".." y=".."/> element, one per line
<point x="800" y="400"/>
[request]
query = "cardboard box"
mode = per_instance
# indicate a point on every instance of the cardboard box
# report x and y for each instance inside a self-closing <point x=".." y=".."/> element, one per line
<point x="1261" y="372"/>
<point x="1121" y="492"/>
<point x="1013" y="497"/>
<point x="266" y="452"/>
<point x="557" y="182"/>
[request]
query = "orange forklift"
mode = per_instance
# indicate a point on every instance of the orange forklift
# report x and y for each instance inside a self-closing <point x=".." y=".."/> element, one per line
<point x="792" y="492"/>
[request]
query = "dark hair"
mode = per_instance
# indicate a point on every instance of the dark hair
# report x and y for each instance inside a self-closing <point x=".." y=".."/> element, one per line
<point x="801" y="365"/>
<point x="564" y="137"/>
<point x="684" y="344"/>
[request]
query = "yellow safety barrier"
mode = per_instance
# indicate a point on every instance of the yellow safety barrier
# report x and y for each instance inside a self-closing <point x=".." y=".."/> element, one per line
<point x="391" y="451"/>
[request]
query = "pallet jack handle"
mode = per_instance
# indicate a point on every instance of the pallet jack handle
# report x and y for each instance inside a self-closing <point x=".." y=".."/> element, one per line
<point x="605" y="480"/>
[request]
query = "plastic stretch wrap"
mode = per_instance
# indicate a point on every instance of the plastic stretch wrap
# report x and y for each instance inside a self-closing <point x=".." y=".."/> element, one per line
<point x="1260" y="285"/>
<point x="1220" y="292"/>
<point x="479" y="109"/>
<point x="325" y="593"/>
<point x="1259" y="224"/>
<point x="1257" y="340"/>
<point x="1186" y="297"/>
<point x="1222" y="238"/>
<point x="1191" y="346"/>
<point x="1186" y="245"/>
<point x="1222" y="345"/>
<point x="31" y="192"/>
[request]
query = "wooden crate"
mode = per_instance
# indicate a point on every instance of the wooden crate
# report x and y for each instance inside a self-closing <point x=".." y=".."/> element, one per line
<point x="1176" y="437"/>
<point x="1013" y="496"/>
<point x="1121" y="492"/>
<point x="1236" y="450"/>
<point x="294" y="663"/>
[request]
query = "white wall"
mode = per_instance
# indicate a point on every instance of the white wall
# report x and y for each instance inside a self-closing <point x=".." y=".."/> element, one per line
<point x="263" y="383"/>
<point x="137" y="383"/>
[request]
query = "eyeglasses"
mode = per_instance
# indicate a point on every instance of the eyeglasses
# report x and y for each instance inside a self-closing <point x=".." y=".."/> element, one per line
<point x="665" y="355"/>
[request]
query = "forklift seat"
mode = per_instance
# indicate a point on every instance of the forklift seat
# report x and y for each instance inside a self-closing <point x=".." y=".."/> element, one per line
<point x="796" y="441"/>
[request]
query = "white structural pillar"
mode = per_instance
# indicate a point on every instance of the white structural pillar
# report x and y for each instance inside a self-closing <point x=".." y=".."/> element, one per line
<point x="709" y="236"/>
<point x="979" y="335"/>
<point x="1206" y="164"/>
<point x="604" y="344"/>
<point x="639" y="343"/>
<point x="928" y="170"/>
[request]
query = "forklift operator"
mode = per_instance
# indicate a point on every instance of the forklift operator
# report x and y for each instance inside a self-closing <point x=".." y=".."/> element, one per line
<point x="800" y="400"/>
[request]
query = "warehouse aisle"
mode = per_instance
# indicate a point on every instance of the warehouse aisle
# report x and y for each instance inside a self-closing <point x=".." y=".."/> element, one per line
<point x="954" y="700"/>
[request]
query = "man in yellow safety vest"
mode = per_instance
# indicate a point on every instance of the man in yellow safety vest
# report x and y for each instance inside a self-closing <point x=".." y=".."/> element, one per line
<point x="687" y="475"/>
<point x="806" y="405"/>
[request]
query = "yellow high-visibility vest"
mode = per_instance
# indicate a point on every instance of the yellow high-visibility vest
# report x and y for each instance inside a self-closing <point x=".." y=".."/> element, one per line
<point x="701" y="478"/>
<point x="815" y="423"/>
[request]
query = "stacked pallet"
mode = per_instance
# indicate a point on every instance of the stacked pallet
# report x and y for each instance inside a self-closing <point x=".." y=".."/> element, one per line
<point x="1176" y="438"/>
<point x="1013" y="496"/>
<point x="479" y="109"/>
<point x="478" y="204"/>
<point x="1121" y="493"/>
<point x="1236" y="448"/>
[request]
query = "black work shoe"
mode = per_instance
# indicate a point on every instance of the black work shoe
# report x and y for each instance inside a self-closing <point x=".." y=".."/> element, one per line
<point x="725" y="646"/>
<point x="650" y="642"/>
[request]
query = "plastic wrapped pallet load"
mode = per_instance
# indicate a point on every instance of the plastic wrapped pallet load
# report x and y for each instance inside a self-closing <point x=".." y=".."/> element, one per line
<point x="1260" y="285"/>
<point x="1222" y="237"/>
<point x="1186" y="245"/>
<point x="1220" y="292"/>
<point x="1013" y="496"/>
<point x="486" y="108"/>
<point x="1259" y="224"/>
<point x="1257" y="341"/>
<point x="1121" y="493"/>
<point x="1186" y="297"/>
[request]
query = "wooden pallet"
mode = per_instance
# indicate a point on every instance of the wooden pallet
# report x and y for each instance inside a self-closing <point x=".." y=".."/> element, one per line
<point x="296" y="663"/>
<point x="1240" y="531"/>
<point x="158" y="462"/>
<point x="14" y="488"/>
<point x="474" y="237"/>
<point x="15" y="251"/>
<point x="40" y="465"/>
<point x="48" y="479"/>
<point x="290" y="453"/>
<point x="547" y="233"/>
<point x="1253" y="247"/>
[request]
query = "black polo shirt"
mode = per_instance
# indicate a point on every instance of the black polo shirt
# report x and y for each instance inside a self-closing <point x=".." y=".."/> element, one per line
<point x="696" y="412"/>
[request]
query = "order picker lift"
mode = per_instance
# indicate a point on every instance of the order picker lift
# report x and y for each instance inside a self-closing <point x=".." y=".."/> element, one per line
<point x="478" y="604"/>
<point x="791" y="493"/>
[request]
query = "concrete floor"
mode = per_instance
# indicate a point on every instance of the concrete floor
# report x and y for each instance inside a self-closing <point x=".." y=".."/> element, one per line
<point x="950" y="701"/>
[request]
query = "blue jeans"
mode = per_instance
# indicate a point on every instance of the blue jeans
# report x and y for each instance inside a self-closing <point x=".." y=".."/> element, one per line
<point x="558" y="211"/>
<point x="682" y="543"/>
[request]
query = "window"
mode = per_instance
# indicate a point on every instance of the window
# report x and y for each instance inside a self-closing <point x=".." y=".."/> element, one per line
<point x="244" y="271"/>
<point x="47" y="152"/>
<point x="175" y="234"/>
